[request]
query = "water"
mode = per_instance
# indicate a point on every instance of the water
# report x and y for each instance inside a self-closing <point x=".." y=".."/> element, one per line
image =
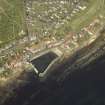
<point x="42" y="62"/>
<point x="83" y="87"/>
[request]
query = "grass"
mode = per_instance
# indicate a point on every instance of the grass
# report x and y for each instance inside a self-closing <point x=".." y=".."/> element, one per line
<point x="11" y="19"/>
<point x="85" y="17"/>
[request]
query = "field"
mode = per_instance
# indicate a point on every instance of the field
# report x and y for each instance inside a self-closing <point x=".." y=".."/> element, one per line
<point x="11" y="19"/>
<point x="95" y="8"/>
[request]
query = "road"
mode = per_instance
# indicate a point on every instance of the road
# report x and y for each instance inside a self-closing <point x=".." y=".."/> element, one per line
<point x="83" y="57"/>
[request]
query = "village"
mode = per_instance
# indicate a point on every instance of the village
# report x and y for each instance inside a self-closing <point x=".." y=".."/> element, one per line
<point x="21" y="53"/>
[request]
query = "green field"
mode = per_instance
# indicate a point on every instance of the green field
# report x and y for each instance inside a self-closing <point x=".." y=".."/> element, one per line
<point x="82" y="19"/>
<point x="11" y="19"/>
